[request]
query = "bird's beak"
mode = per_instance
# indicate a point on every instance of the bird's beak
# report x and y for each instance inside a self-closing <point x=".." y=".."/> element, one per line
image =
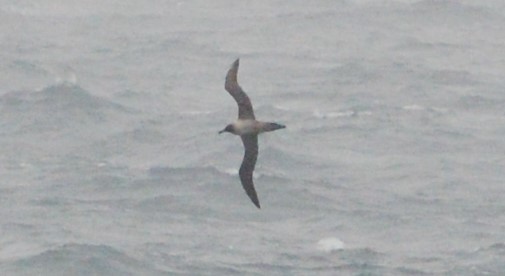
<point x="221" y="131"/>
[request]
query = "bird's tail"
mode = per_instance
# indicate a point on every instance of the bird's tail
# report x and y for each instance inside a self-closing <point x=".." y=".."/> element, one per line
<point x="272" y="126"/>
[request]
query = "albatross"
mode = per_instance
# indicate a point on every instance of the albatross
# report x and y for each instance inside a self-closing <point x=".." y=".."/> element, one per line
<point x="248" y="128"/>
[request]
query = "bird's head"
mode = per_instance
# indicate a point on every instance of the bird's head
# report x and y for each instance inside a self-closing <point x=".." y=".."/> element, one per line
<point x="228" y="128"/>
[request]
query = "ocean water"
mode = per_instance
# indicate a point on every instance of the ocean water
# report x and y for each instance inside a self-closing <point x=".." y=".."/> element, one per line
<point x="392" y="162"/>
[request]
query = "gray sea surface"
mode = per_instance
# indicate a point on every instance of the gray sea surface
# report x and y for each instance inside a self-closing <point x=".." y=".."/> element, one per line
<point x="392" y="162"/>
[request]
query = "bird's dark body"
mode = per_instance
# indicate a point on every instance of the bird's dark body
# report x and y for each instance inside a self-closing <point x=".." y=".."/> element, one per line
<point x="248" y="128"/>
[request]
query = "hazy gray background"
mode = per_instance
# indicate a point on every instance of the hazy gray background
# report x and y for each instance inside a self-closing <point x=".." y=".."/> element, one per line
<point x="392" y="162"/>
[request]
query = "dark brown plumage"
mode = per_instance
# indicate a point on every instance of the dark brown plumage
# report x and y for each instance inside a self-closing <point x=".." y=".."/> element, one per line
<point x="245" y="110"/>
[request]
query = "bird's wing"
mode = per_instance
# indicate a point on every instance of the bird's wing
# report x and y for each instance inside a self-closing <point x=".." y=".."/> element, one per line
<point x="246" y="169"/>
<point x="245" y="109"/>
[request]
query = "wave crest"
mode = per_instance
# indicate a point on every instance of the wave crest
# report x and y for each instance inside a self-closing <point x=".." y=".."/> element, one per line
<point x="80" y="259"/>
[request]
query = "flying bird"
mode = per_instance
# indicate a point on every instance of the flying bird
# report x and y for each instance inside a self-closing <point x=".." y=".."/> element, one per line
<point x="248" y="128"/>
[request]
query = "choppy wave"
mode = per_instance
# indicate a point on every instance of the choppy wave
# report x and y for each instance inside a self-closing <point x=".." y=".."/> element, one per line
<point x="80" y="259"/>
<point x="54" y="107"/>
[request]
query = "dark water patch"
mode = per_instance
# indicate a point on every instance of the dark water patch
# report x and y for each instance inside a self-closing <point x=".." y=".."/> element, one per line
<point x="51" y="202"/>
<point x="495" y="249"/>
<point x="364" y="270"/>
<point x="61" y="96"/>
<point x="498" y="247"/>
<point x="80" y="259"/>
<point x="414" y="44"/>
<point x="17" y="227"/>
<point x="263" y="268"/>
<point x="55" y="107"/>
<point x="404" y="270"/>
<point x="210" y="269"/>
<point x="455" y="11"/>
<point x="452" y="77"/>
<point x="486" y="260"/>
<point x="25" y="66"/>
<point x="480" y="102"/>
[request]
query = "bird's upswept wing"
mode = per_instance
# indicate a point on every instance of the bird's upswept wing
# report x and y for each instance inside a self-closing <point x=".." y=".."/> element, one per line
<point x="245" y="109"/>
<point x="246" y="169"/>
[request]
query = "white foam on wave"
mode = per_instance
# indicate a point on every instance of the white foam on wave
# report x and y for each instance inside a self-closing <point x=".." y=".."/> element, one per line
<point x="230" y="171"/>
<point x="319" y="114"/>
<point x="330" y="244"/>
<point x="282" y="107"/>
<point x="64" y="75"/>
<point x="336" y="114"/>
<point x="413" y="107"/>
<point x="416" y="107"/>
<point x="235" y="171"/>
<point x="195" y="112"/>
